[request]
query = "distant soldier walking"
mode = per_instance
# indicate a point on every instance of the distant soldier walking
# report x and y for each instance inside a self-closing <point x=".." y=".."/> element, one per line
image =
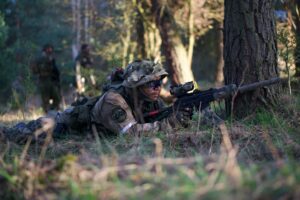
<point x="48" y="77"/>
<point x="85" y="78"/>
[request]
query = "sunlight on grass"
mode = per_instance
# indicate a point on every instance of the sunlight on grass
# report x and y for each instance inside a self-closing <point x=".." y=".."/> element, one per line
<point x="14" y="117"/>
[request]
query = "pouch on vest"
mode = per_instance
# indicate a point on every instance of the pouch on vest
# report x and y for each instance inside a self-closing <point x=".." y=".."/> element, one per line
<point x="114" y="80"/>
<point x="80" y="116"/>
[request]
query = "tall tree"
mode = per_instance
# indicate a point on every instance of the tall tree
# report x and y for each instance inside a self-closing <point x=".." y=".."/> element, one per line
<point x="219" y="75"/>
<point x="140" y="30"/>
<point x="177" y="24"/>
<point x="127" y="33"/>
<point x="250" y="52"/>
<point x="148" y="37"/>
<point x="215" y="9"/>
<point x="293" y="9"/>
<point x="297" y="31"/>
<point x="174" y="50"/>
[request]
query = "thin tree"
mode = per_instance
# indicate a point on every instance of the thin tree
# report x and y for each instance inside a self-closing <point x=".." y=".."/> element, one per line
<point x="176" y="54"/>
<point x="293" y="9"/>
<point x="148" y="37"/>
<point x="297" y="31"/>
<point x="86" y="20"/>
<point x="219" y="75"/>
<point x="76" y="19"/>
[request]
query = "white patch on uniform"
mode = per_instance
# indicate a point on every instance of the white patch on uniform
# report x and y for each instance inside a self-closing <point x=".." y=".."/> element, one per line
<point x="127" y="127"/>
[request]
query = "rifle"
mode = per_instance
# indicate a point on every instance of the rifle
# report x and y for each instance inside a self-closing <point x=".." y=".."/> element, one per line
<point x="186" y="98"/>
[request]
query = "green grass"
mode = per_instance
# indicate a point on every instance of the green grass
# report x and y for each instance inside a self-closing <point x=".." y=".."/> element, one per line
<point x="263" y="163"/>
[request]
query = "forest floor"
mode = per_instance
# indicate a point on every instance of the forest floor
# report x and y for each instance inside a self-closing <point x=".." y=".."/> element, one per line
<point x="254" y="158"/>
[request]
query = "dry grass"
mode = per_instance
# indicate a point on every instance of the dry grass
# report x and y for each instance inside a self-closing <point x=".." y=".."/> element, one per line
<point x="257" y="158"/>
<point x="11" y="118"/>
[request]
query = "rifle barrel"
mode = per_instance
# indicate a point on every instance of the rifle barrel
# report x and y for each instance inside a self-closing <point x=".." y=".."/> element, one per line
<point x="253" y="86"/>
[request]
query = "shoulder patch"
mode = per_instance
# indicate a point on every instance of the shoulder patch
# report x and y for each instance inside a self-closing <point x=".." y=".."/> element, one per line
<point x="118" y="114"/>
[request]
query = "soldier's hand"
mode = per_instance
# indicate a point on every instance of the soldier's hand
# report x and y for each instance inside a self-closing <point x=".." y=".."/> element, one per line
<point x="184" y="116"/>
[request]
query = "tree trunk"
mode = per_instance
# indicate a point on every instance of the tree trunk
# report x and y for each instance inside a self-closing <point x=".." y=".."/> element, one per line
<point x="93" y="18"/>
<point x="176" y="55"/>
<point x="86" y="20"/>
<point x="76" y="19"/>
<point x="78" y="22"/>
<point x="191" y="34"/>
<point x="148" y="37"/>
<point x="219" y="76"/>
<point x="292" y="8"/>
<point x="297" y="52"/>
<point x="126" y="39"/>
<point x="250" y="52"/>
<point x="297" y="33"/>
<point x="153" y="42"/>
<point x="140" y="31"/>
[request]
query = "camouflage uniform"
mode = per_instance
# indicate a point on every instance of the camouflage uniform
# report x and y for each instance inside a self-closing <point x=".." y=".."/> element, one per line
<point x="49" y="80"/>
<point x="113" y="113"/>
<point x="118" y="111"/>
<point x="84" y="70"/>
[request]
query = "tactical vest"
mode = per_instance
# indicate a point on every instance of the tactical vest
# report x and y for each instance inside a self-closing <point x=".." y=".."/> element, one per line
<point x="144" y="105"/>
<point x="80" y="116"/>
<point x="46" y="69"/>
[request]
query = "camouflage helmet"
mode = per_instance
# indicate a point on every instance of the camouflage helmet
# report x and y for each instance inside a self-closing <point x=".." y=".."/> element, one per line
<point x="140" y="72"/>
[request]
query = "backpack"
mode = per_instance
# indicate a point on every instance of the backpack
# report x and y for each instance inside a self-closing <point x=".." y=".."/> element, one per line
<point x="114" y="81"/>
<point x="80" y="116"/>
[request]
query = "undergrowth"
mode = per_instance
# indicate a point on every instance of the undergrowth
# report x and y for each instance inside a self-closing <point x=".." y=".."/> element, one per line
<point x="254" y="158"/>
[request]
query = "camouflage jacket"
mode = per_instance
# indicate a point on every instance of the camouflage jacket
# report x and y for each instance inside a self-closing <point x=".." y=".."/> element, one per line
<point x="116" y="113"/>
<point x="46" y="69"/>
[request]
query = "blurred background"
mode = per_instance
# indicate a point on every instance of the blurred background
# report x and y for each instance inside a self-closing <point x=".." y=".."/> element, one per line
<point x="118" y="32"/>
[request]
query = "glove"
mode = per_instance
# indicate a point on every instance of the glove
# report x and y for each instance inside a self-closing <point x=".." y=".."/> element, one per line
<point x="181" y="117"/>
<point x="210" y="118"/>
<point x="184" y="116"/>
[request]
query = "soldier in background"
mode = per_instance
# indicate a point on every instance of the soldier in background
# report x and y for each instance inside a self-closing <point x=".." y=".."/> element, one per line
<point x="44" y="67"/>
<point x="84" y="71"/>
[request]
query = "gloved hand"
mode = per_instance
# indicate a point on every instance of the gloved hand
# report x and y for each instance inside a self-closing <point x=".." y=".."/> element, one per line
<point x="184" y="116"/>
<point x="180" y="117"/>
<point x="210" y="117"/>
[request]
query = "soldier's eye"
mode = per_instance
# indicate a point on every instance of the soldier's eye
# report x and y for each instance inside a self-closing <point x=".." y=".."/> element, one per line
<point x="154" y="84"/>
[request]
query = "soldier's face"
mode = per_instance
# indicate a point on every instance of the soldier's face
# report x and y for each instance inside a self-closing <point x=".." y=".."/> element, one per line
<point x="152" y="89"/>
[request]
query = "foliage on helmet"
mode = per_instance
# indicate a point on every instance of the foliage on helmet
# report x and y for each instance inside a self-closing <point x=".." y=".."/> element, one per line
<point x="140" y="72"/>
